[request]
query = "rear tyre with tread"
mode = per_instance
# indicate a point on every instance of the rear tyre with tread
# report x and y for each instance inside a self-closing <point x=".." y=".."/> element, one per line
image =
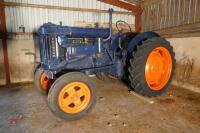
<point x="151" y="67"/>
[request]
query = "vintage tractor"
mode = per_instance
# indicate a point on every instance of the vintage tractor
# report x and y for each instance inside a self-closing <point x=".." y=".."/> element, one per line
<point x="69" y="55"/>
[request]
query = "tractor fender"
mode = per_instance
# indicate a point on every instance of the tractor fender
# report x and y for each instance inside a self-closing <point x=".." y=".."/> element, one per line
<point x="139" y="38"/>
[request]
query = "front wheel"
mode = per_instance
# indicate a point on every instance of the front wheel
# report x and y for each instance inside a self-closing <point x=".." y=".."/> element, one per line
<point x="151" y="67"/>
<point x="72" y="96"/>
<point x="41" y="81"/>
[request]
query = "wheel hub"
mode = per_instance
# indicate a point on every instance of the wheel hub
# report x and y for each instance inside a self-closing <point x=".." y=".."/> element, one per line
<point x="158" y="68"/>
<point x="45" y="82"/>
<point x="74" y="97"/>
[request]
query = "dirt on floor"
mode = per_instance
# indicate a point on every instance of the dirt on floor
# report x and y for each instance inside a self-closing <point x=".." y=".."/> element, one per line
<point x="24" y="110"/>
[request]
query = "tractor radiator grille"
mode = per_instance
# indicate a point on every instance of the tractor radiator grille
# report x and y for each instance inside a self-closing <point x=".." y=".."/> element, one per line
<point x="53" y="48"/>
<point x="47" y="49"/>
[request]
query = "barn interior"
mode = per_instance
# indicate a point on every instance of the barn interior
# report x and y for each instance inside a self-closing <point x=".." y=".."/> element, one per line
<point x="118" y="109"/>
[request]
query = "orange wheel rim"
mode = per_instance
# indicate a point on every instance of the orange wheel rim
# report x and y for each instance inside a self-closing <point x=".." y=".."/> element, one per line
<point x="74" y="97"/>
<point x="158" y="68"/>
<point x="45" y="82"/>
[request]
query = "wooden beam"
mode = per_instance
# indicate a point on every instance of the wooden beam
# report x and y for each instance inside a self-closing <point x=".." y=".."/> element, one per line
<point x="4" y="41"/>
<point x="188" y="30"/>
<point x="138" y="22"/>
<point x="14" y="4"/>
<point x="122" y="4"/>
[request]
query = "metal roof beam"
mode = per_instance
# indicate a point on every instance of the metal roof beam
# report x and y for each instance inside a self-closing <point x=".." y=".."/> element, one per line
<point x="136" y="9"/>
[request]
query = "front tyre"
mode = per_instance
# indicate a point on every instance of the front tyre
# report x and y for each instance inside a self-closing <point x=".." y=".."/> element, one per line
<point x="41" y="81"/>
<point x="72" y="96"/>
<point x="152" y="67"/>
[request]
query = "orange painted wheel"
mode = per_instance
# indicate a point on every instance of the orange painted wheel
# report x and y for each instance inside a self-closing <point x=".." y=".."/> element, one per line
<point x="45" y="82"/>
<point x="151" y="67"/>
<point x="74" y="97"/>
<point x="42" y="82"/>
<point x="158" y="68"/>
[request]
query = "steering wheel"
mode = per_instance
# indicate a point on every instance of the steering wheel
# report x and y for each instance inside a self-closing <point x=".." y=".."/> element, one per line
<point x="122" y="22"/>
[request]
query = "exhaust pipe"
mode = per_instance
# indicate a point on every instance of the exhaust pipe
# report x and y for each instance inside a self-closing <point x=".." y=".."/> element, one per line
<point x="110" y="24"/>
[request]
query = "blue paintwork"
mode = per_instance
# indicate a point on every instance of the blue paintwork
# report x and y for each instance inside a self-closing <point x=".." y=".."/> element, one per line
<point x="102" y="54"/>
<point x="50" y="28"/>
<point x="141" y="37"/>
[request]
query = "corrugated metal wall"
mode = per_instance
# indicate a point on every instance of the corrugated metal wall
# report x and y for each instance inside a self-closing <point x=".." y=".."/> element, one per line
<point x="23" y="46"/>
<point x="171" y="16"/>
<point x="32" y="18"/>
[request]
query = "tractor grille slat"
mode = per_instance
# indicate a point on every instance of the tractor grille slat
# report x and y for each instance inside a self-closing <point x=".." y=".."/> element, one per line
<point x="47" y="50"/>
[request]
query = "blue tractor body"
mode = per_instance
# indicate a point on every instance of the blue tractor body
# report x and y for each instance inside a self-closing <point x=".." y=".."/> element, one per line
<point x="144" y="61"/>
<point x="88" y="50"/>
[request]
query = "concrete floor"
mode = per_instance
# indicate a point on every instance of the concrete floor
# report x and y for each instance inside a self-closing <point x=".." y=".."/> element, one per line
<point x="117" y="110"/>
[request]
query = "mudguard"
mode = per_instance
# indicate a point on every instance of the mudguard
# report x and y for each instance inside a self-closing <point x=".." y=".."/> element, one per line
<point x="140" y="37"/>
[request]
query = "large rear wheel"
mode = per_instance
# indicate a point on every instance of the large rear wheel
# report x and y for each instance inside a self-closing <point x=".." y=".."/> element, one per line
<point x="72" y="96"/>
<point x="152" y="67"/>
